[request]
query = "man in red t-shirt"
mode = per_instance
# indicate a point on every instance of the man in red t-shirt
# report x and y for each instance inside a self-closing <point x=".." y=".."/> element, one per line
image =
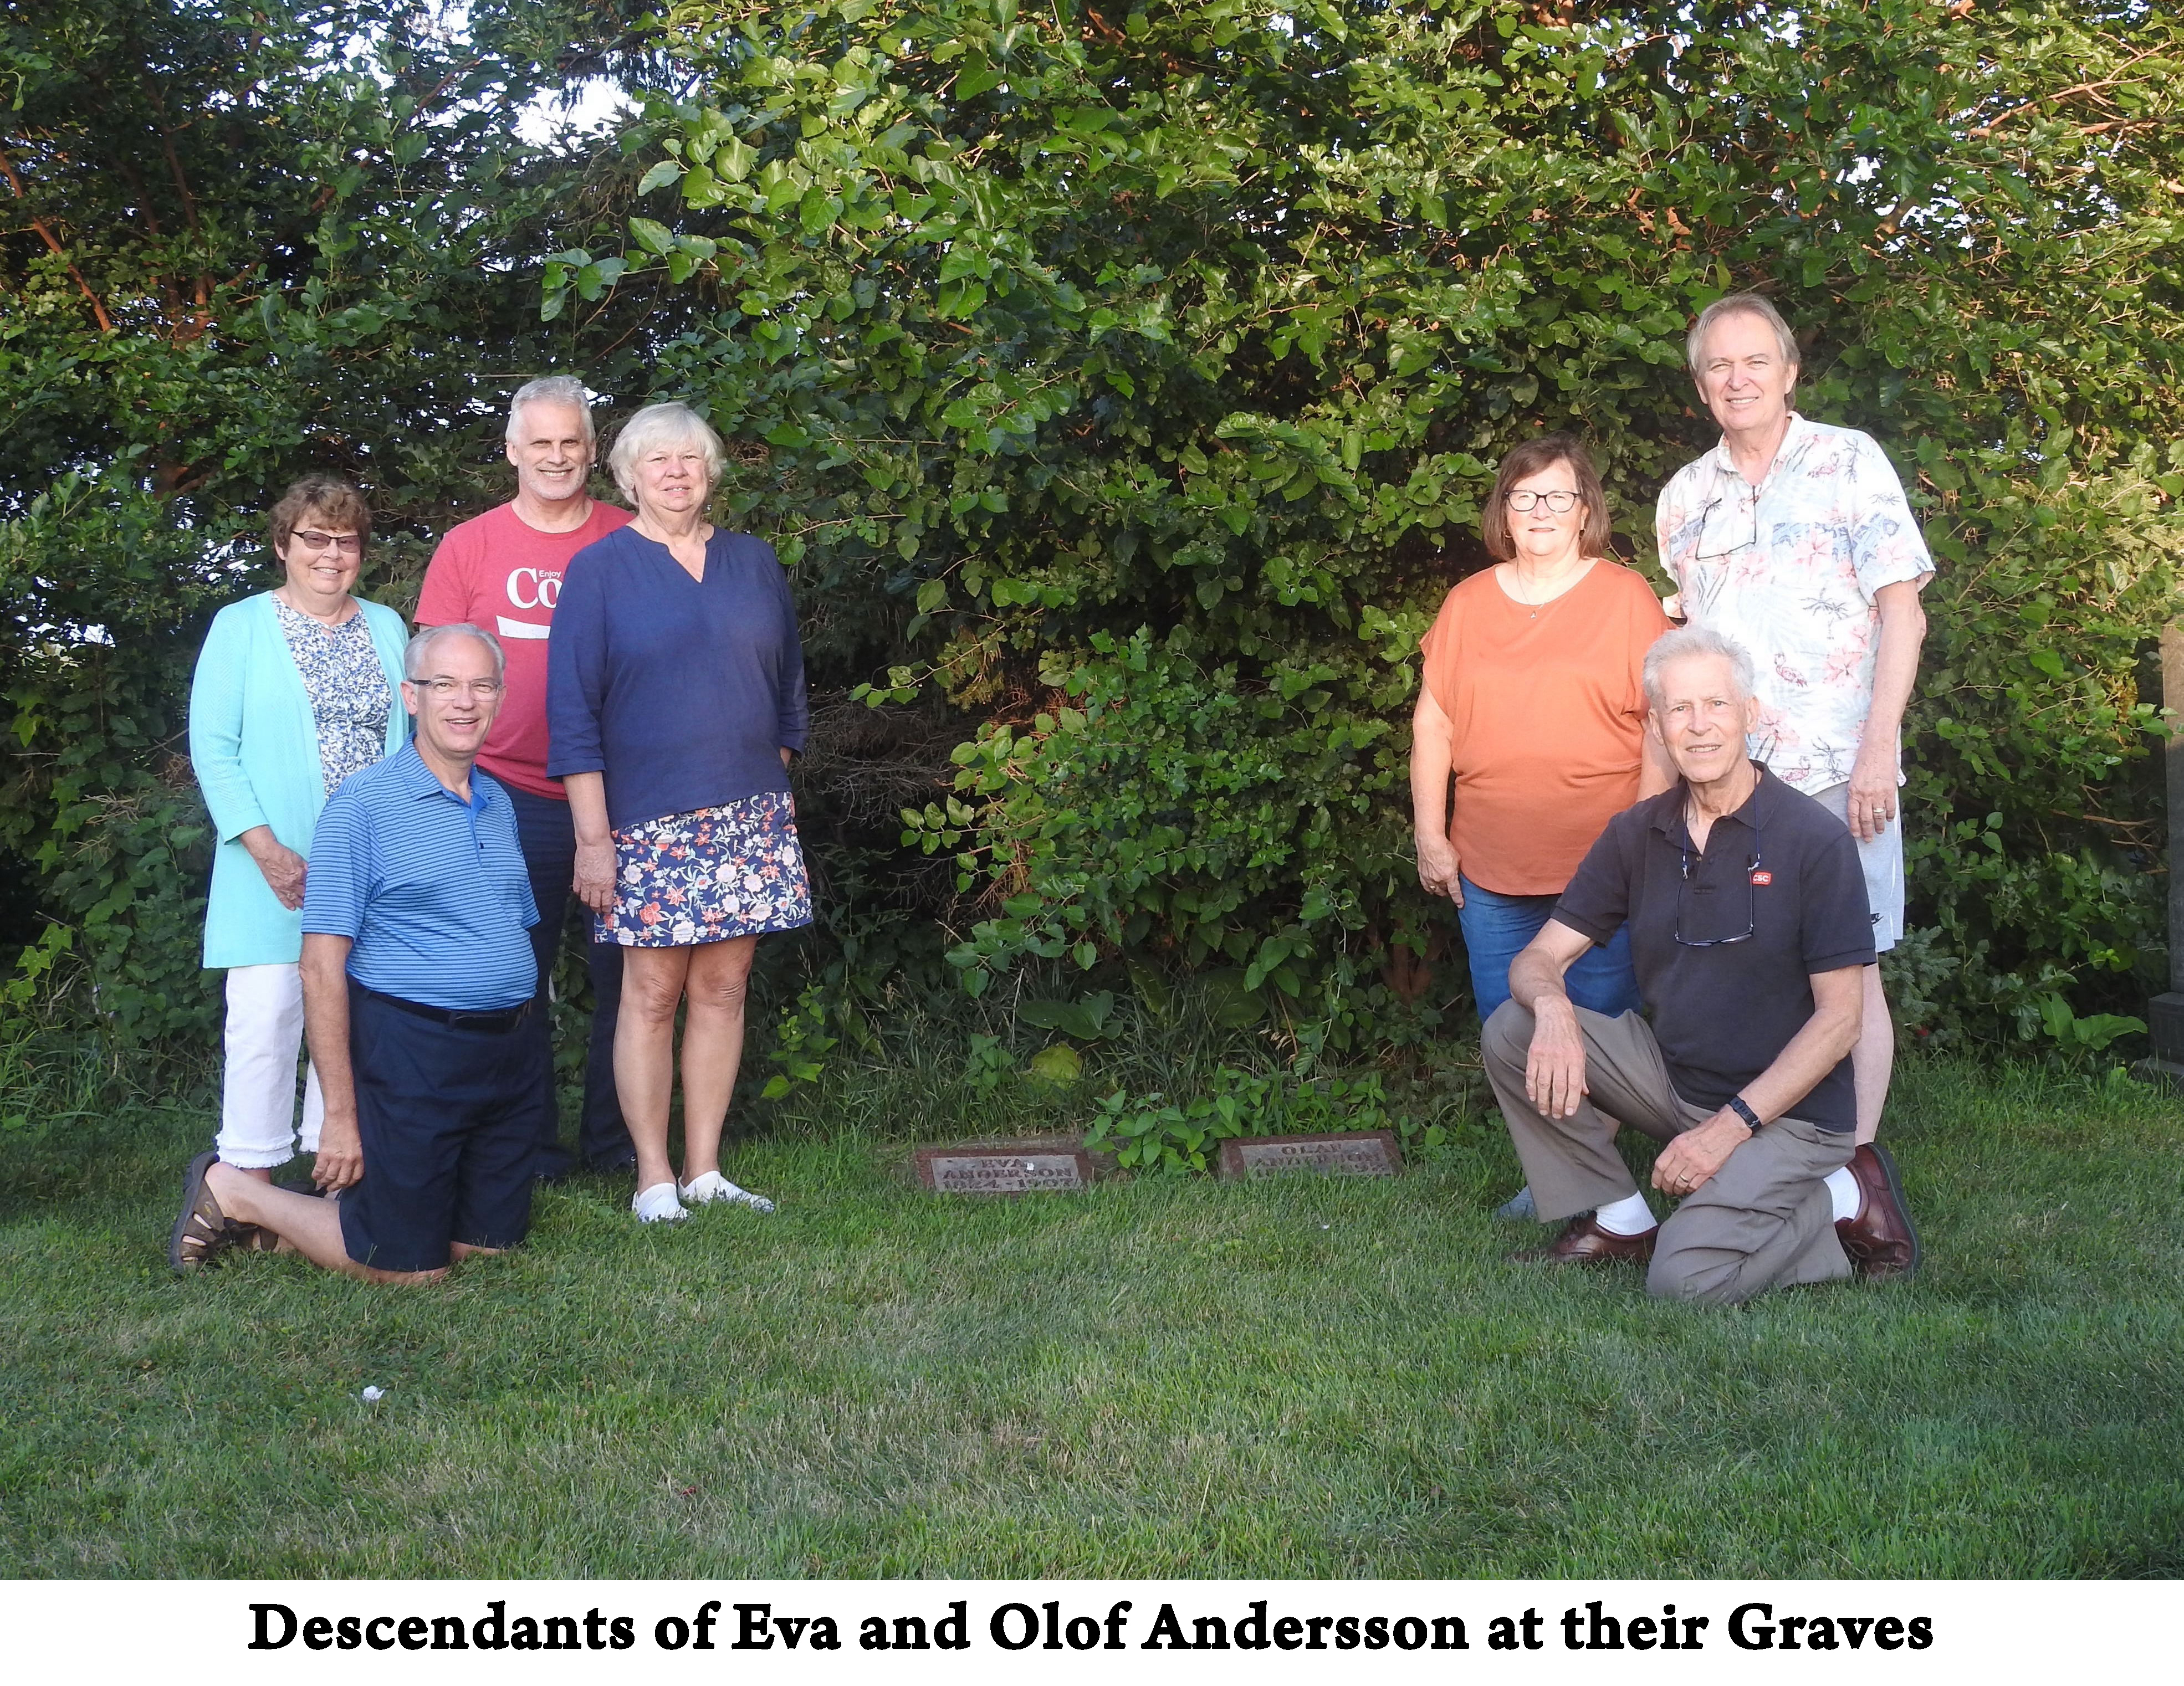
<point x="502" y="571"/>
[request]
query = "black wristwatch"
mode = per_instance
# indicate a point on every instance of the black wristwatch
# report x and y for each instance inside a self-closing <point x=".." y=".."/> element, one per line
<point x="1750" y="1119"/>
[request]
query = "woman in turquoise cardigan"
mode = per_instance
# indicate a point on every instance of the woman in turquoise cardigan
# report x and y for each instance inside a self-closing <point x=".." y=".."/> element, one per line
<point x="296" y="689"/>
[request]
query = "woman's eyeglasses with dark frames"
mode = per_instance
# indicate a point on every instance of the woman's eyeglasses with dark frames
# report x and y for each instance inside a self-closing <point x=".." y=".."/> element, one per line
<point x="347" y="543"/>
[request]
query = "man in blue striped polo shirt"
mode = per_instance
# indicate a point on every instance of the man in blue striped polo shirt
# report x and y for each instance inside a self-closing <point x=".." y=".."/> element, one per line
<point x="418" y="979"/>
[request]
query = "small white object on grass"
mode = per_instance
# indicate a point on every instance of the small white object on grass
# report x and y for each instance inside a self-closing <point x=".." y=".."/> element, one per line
<point x="374" y="1395"/>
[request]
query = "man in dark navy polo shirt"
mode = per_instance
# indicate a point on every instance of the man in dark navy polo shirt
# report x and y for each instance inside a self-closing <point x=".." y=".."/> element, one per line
<point x="1750" y="935"/>
<point x="418" y="981"/>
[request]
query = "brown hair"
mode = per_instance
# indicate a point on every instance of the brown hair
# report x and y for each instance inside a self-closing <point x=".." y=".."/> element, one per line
<point x="318" y="497"/>
<point x="1598" y="536"/>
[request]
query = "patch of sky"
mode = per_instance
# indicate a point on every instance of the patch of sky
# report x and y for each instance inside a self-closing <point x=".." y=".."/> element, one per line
<point x="584" y="107"/>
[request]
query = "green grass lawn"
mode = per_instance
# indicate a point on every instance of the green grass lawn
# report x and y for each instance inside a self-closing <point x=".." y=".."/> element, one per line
<point x="1156" y="1378"/>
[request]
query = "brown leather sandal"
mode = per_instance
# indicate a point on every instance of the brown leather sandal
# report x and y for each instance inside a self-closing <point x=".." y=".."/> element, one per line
<point x="202" y="1231"/>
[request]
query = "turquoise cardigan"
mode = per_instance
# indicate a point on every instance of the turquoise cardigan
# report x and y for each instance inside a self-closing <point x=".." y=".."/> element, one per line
<point x="255" y="747"/>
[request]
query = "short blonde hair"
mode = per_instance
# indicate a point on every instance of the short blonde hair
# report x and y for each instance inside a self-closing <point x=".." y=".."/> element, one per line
<point x="657" y="425"/>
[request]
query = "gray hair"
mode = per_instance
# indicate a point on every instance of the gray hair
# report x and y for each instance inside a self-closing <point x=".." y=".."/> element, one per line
<point x="551" y="389"/>
<point x="1739" y="304"/>
<point x="1699" y="640"/>
<point x="657" y="425"/>
<point x="413" y="659"/>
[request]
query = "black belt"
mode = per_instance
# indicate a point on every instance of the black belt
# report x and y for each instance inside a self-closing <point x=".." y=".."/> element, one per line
<point x="498" y="1022"/>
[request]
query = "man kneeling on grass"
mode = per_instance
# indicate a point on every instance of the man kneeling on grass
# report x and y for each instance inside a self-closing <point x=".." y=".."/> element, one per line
<point x="418" y="977"/>
<point x="1749" y="933"/>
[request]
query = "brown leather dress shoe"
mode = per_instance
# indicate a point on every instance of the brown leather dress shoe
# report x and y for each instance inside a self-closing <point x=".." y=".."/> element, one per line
<point x="1583" y="1242"/>
<point x="1880" y="1240"/>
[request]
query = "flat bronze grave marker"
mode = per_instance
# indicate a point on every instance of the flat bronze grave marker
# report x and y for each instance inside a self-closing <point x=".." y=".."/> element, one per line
<point x="1356" y="1152"/>
<point x="1034" y="1168"/>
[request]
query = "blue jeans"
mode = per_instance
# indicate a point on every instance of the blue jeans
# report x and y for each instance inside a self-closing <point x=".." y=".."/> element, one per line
<point x="1496" y="928"/>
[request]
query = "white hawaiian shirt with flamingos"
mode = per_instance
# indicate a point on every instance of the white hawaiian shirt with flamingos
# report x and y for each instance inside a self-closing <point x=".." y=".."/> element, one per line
<point x="1791" y="569"/>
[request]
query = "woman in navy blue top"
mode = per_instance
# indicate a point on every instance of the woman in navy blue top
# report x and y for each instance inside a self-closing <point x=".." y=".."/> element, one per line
<point x="674" y="700"/>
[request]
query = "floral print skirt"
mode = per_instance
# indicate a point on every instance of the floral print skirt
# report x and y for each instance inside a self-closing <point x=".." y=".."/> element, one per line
<point x="734" y="871"/>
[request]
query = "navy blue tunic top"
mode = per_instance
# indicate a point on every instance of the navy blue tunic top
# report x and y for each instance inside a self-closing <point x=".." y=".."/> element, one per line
<point x="683" y="692"/>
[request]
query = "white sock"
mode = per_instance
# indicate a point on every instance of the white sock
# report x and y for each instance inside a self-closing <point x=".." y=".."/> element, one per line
<point x="1629" y="1215"/>
<point x="1843" y="1190"/>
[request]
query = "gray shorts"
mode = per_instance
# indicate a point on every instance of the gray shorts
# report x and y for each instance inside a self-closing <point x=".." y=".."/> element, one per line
<point x="1883" y="861"/>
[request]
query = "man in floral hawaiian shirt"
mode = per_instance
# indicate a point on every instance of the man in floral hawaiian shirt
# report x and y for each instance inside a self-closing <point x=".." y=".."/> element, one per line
<point x="1794" y="539"/>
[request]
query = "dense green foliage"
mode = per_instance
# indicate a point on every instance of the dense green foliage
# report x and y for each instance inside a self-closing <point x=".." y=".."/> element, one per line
<point x="1145" y="371"/>
<point x="1122" y="384"/>
<point x="246" y="242"/>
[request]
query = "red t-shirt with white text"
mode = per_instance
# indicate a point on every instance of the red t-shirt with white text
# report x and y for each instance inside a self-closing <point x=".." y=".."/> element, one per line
<point x="497" y="571"/>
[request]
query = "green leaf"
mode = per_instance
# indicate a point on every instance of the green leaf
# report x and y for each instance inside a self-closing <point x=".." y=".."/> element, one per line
<point x="977" y="76"/>
<point x="1060" y="1065"/>
<point x="1228" y="1003"/>
<point x="732" y="160"/>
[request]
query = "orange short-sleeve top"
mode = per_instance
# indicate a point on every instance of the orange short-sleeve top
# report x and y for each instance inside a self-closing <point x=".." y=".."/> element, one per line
<point x="1549" y="714"/>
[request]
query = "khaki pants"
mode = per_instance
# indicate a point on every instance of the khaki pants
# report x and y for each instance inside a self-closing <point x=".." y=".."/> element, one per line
<point x="1762" y="1220"/>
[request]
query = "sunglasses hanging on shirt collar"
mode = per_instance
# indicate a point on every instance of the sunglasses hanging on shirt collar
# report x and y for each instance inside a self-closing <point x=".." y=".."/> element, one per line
<point x="1728" y="524"/>
<point x="1756" y="878"/>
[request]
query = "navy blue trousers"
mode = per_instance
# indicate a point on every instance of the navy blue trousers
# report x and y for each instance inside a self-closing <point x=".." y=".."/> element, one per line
<point x="548" y="839"/>
<point x="448" y="1116"/>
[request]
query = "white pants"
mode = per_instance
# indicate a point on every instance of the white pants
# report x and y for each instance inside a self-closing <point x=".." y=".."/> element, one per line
<point x="258" y="1090"/>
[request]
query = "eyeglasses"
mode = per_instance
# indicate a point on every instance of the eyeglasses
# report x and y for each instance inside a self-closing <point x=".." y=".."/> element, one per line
<point x="441" y="689"/>
<point x="1728" y="525"/>
<point x="348" y="543"/>
<point x="1752" y="878"/>
<point x="1561" y="502"/>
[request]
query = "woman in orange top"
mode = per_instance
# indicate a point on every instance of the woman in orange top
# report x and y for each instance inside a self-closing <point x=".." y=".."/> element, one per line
<point x="1532" y="700"/>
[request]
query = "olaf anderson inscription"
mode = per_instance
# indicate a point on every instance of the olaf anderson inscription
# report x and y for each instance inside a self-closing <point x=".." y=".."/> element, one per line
<point x="1003" y="1169"/>
<point x="1360" y="1153"/>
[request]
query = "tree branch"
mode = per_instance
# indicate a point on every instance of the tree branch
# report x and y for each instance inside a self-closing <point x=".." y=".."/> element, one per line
<point x="1986" y="130"/>
<point x="97" y="309"/>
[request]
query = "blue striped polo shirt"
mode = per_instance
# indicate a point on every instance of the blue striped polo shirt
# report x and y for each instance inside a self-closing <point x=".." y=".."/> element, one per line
<point x="431" y="889"/>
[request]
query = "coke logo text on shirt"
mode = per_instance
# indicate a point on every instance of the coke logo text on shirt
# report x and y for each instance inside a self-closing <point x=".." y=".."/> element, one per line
<point x="534" y="589"/>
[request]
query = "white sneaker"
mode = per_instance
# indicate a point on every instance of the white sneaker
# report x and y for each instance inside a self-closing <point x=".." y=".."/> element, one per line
<point x="702" y="1191"/>
<point x="657" y="1204"/>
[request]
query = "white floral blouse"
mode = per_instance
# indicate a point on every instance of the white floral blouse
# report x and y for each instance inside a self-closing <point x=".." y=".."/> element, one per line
<point x="347" y="689"/>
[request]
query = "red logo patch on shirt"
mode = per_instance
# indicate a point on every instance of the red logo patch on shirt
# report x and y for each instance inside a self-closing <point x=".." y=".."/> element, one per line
<point x="1763" y="878"/>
